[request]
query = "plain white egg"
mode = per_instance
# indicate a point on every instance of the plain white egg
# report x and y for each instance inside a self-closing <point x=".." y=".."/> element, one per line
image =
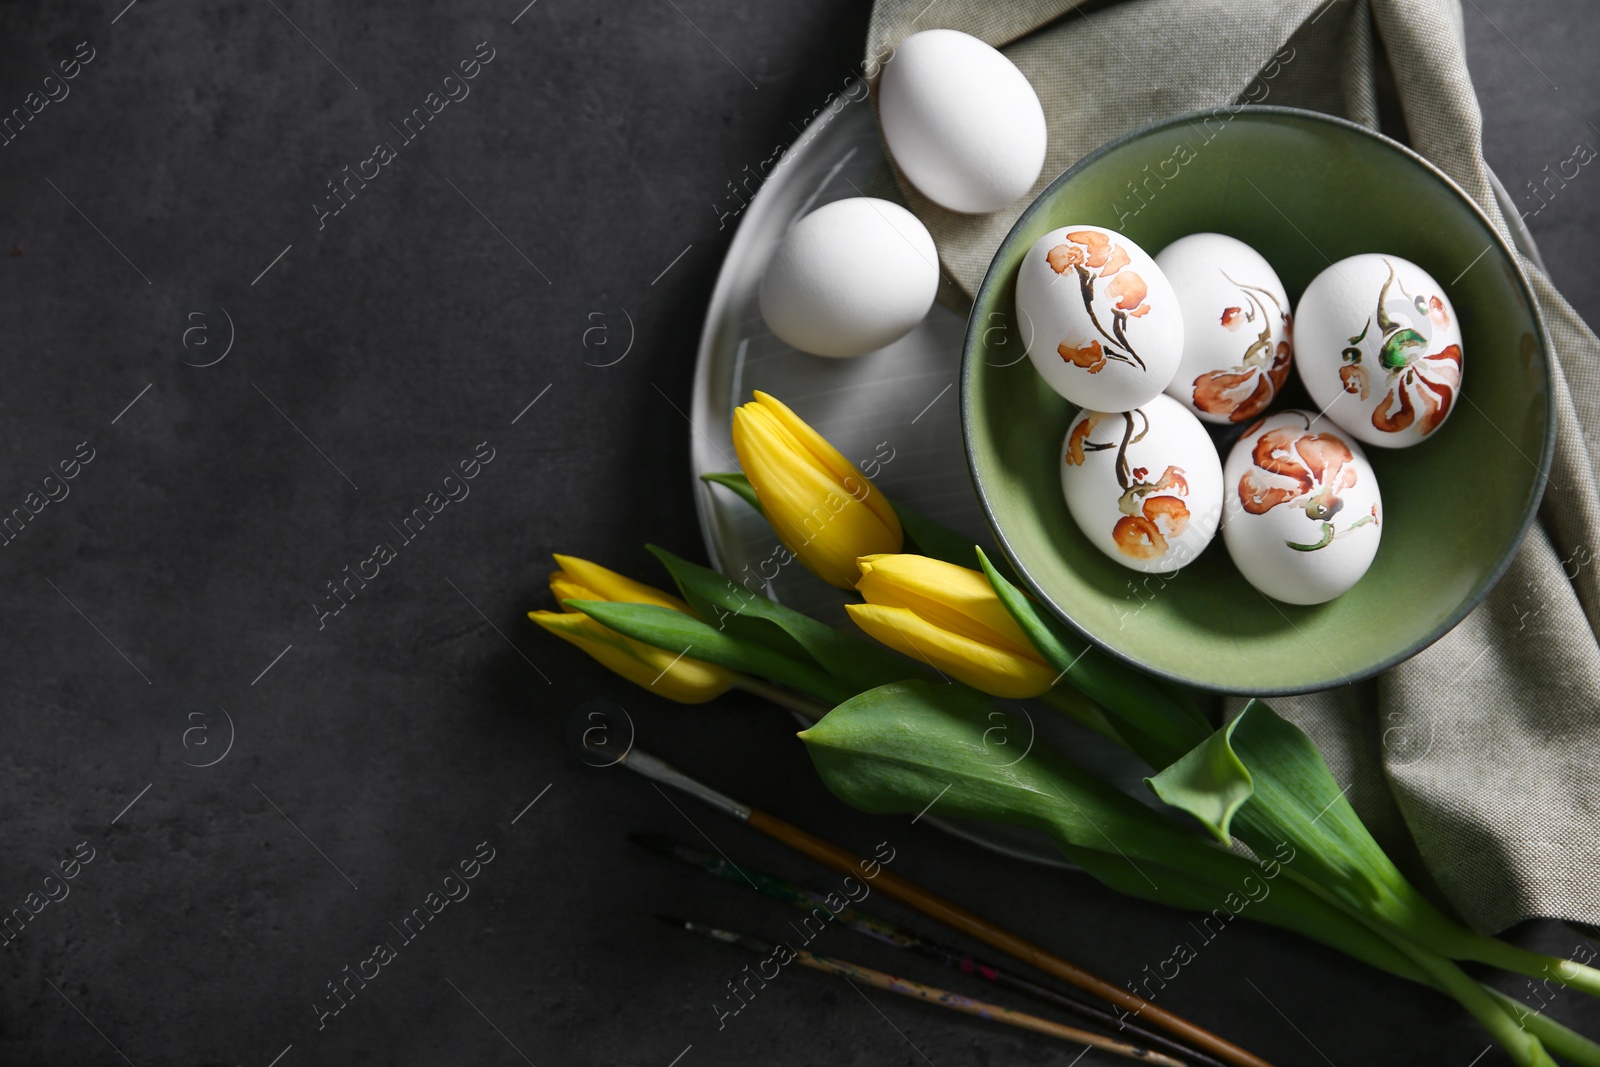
<point x="961" y="121"/>
<point x="850" y="277"/>
<point x="1236" y="327"/>
<point x="1304" y="515"/>
<point x="1100" y="319"/>
<point x="1379" y="349"/>
<point x="1144" y="485"/>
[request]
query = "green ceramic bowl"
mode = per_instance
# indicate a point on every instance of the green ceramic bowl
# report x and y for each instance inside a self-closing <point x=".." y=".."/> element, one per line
<point x="1304" y="190"/>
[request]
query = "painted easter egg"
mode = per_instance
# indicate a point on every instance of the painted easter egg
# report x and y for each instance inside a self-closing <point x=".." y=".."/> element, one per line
<point x="1379" y="349"/>
<point x="1102" y="324"/>
<point x="1236" y="327"/>
<point x="1304" y="515"/>
<point x="1144" y="485"/>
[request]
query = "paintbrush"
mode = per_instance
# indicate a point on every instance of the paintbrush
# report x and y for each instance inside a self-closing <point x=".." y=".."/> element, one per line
<point x="937" y="907"/>
<point x="810" y="900"/>
<point x="904" y="987"/>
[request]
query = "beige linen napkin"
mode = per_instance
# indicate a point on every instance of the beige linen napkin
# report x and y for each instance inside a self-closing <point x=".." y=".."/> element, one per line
<point x="1477" y="762"/>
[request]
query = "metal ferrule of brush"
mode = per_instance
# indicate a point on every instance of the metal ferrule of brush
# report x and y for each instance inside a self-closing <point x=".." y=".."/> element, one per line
<point x="659" y="770"/>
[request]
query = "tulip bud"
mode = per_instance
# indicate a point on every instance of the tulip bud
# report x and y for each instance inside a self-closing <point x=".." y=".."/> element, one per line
<point x="678" y="678"/>
<point x="949" y="617"/>
<point x="824" y="510"/>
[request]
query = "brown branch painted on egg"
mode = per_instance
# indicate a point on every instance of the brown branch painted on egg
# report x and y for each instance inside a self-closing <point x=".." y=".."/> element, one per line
<point x="1245" y="390"/>
<point x="1095" y="257"/>
<point x="1151" y="510"/>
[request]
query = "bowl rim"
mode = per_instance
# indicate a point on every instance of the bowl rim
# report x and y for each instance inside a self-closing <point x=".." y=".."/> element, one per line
<point x="992" y="280"/>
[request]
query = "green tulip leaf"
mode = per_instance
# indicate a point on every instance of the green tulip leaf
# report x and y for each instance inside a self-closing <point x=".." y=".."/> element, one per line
<point x="899" y="746"/>
<point x="738" y="483"/>
<point x="1209" y="782"/>
<point x="1296" y="798"/>
<point x="673" y="631"/>
<point x="729" y="607"/>
<point x="947" y="750"/>
<point x="733" y="608"/>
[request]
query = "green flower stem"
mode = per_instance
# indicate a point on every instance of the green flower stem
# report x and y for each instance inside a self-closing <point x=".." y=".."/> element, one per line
<point x="1568" y="1045"/>
<point x="1442" y="973"/>
<point x="1385" y="895"/>
<point x="1082" y="710"/>
<point x="811" y="709"/>
<point x="1430" y="927"/>
<point x="739" y="484"/>
<point x="1511" y="957"/>
<point x="1159" y="726"/>
<point x="1523" y="1046"/>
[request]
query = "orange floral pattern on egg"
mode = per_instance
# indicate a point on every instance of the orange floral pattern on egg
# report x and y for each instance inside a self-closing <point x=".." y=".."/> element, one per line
<point x="1245" y="390"/>
<point x="1301" y="469"/>
<point x="1095" y="257"/>
<point x="1153" y="512"/>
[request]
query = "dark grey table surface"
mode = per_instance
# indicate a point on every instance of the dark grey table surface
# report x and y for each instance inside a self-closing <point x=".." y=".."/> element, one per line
<point x="163" y="608"/>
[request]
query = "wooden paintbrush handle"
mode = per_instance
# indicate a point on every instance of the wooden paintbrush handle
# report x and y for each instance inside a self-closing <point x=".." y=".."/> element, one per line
<point x="993" y="1012"/>
<point x="982" y="929"/>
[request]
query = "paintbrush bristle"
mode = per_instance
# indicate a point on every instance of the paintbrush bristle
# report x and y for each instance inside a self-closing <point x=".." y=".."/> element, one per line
<point x="728" y="937"/>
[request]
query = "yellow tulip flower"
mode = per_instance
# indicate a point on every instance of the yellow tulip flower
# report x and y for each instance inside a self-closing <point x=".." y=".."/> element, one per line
<point x="684" y="680"/>
<point x="822" y="508"/>
<point x="950" y="617"/>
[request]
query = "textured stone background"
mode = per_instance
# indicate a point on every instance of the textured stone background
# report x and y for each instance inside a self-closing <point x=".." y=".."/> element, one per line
<point x="380" y="750"/>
